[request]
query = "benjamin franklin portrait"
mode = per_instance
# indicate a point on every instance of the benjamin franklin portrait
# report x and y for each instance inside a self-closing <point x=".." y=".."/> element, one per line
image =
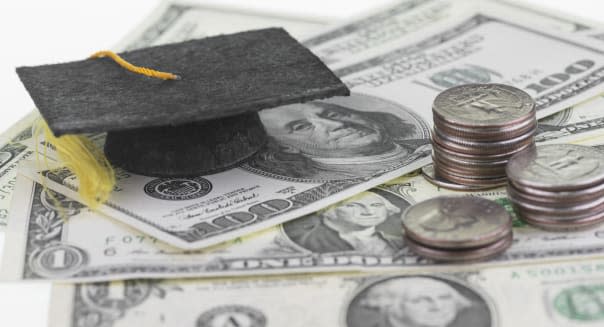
<point x="339" y="138"/>
<point x="368" y="223"/>
<point x="418" y="301"/>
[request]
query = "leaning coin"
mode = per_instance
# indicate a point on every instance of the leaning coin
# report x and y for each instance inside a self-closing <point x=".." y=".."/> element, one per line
<point x="466" y="255"/>
<point x="557" y="167"/>
<point x="484" y="105"/>
<point x="430" y="175"/>
<point x="456" y="222"/>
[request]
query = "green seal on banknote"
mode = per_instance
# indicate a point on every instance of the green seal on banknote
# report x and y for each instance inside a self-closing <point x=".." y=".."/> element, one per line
<point x="581" y="303"/>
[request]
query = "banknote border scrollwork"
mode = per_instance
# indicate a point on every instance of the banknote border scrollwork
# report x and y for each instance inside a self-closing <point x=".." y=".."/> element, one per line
<point x="14" y="150"/>
<point x="402" y="7"/>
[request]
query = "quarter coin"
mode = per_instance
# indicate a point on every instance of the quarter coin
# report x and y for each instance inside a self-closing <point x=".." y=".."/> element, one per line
<point x="429" y="174"/>
<point x="557" y="167"/>
<point x="456" y="222"/>
<point x="565" y="223"/>
<point x="561" y="198"/>
<point x="485" y="134"/>
<point x="585" y="208"/>
<point x="484" y="105"/>
<point x="488" y="148"/>
<point x="466" y="255"/>
<point x="471" y="180"/>
<point x="484" y="157"/>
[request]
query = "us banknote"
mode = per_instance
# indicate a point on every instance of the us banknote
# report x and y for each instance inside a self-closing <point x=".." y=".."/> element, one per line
<point x="586" y="121"/>
<point x="560" y="20"/>
<point x="13" y="150"/>
<point x="486" y="46"/>
<point x="561" y="294"/>
<point x="392" y="24"/>
<point x="42" y="245"/>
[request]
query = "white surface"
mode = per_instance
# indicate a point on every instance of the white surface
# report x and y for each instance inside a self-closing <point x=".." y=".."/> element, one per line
<point x="36" y="32"/>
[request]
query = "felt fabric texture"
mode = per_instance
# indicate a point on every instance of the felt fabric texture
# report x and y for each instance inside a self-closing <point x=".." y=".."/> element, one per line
<point x="188" y="150"/>
<point x="222" y="76"/>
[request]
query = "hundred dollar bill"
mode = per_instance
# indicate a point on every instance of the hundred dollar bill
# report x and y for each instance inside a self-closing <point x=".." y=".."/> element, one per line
<point x="486" y="46"/>
<point x="13" y="150"/>
<point x="361" y="233"/>
<point x="561" y="294"/>
<point x="387" y="25"/>
<point x="392" y="24"/>
<point x="582" y="122"/>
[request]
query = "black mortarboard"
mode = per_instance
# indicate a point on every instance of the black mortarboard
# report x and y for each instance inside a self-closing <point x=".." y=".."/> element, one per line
<point x="203" y="123"/>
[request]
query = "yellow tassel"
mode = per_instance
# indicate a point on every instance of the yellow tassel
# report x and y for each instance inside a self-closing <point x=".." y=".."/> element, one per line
<point x="135" y="69"/>
<point x="86" y="161"/>
<point x="81" y="156"/>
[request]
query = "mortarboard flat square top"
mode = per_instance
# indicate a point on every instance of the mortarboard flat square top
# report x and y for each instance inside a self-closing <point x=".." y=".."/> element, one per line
<point x="203" y="123"/>
<point x="222" y="76"/>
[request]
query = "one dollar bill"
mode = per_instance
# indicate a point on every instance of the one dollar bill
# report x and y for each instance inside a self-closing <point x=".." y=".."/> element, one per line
<point x="13" y="150"/>
<point x="562" y="294"/>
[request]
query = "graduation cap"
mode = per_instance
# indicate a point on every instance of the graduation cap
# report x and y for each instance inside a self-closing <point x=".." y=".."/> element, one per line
<point x="204" y="121"/>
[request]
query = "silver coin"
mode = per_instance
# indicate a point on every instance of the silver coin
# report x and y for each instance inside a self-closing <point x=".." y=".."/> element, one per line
<point x="463" y="255"/>
<point x="586" y="208"/>
<point x="485" y="134"/>
<point x="484" y="105"/>
<point x="477" y="170"/>
<point x="464" y="161"/>
<point x="470" y="180"/>
<point x="482" y="157"/>
<point x="557" y="167"/>
<point x="567" y="223"/>
<point x="429" y="174"/>
<point x="449" y="222"/>
<point x="557" y="198"/>
<point x="474" y="147"/>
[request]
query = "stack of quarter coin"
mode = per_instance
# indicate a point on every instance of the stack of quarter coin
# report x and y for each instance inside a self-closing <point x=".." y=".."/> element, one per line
<point x="477" y="129"/>
<point x="558" y="186"/>
<point x="457" y="228"/>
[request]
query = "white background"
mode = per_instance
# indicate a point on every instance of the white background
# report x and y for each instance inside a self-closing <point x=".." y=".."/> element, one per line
<point x="39" y="32"/>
